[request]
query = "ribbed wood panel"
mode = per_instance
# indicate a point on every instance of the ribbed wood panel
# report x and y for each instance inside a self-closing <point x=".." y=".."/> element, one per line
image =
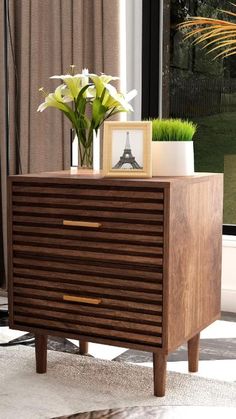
<point x="85" y="255"/>
<point x="119" y="263"/>
<point x="88" y="214"/>
<point x="88" y="290"/>
<point x="99" y="312"/>
<point x="146" y="274"/>
<point x="64" y="325"/>
<point x="89" y="320"/>
<point x="22" y="225"/>
<point x="89" y="245"/>
<point x="134" y="194"/>
<point x="106" y="301"/>
<point x="99" y="281"/>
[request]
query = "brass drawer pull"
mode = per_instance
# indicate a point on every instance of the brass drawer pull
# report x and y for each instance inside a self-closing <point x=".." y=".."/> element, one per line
<point x="81" y="299"/>
<point x="81" y="224"/>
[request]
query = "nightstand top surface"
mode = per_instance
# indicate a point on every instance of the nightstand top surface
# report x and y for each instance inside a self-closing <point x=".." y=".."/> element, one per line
<point x="87" y="175"/>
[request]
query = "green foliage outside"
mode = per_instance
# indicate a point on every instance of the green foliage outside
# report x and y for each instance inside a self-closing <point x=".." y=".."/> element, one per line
<point x="215" y="151"/>
<point x="229" y="189"/>
<point x="172" y="130"/>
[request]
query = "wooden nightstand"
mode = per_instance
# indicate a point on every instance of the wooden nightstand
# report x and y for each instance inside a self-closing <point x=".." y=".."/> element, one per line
<point x="127" y="262"/>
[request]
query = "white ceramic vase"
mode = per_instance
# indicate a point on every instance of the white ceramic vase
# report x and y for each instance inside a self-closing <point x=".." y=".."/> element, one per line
<point x="172" y="158"/>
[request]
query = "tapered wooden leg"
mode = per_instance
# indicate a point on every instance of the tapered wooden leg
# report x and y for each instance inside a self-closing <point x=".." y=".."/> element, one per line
<point x="41" y="353"/>
<point x="193" y="353"/>
<point x="83" y="347"/>
<point x="159" y="371"/>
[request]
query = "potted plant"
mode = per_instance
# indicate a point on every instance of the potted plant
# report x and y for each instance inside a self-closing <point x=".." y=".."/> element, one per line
<point x="172" y="147"/>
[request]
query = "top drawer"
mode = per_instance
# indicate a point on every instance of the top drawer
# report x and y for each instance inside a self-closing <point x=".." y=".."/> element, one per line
<point x="119" y="222"/>
<point x="126" y="204"/>
<point x="116" y="208"/>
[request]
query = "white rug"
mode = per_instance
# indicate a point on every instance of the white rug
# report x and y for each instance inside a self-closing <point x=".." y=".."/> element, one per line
<point x="78" y="384"/>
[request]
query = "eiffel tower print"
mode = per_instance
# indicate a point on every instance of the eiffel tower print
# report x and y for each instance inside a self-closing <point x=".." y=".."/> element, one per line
<point x="127" y="157"/>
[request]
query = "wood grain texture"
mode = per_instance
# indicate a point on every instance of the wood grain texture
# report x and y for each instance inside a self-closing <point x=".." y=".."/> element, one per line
<point x="83" y="347"/>
<point x="104" y="268"/>
<point x="107" y="301"/>
<point x="194" y="259"/>
<point x="86" y="289"/>
<point x="41" y="353"/>
<point x="85" y="300"/>
<point x="80" y="224"/>
<point x="90" y="338"/>
<point x="85" y="278"/>
<point x="154" y="263"/>
<point x="66" y="325"/>
<point x="84" y="319"/>
<point x="26" y="226"/>
<point x="98" y="312"/>
<point x="193" y="353"/>
<point x="159" y="374"/>
<point x="10" y="253"/>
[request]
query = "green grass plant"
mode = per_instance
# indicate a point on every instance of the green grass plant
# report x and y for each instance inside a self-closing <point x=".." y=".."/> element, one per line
<point x="172" y="130"/>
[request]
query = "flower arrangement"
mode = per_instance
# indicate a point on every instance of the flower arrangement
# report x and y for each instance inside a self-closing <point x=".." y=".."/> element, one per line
<point x="87" y="100"/>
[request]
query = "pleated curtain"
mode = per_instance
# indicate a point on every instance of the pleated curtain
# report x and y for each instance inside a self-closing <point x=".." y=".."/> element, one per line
<point x="45" y="37"/>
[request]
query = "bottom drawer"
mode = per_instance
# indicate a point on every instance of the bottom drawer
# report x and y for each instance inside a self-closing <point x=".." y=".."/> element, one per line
<point x="95" y="320"/>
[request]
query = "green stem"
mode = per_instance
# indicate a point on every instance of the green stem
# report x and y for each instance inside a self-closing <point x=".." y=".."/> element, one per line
<point x="112" y="112"/>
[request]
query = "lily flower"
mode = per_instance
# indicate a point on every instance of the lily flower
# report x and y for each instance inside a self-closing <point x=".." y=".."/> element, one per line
<point x="56" y="100"/>
<point x="74" y="83"/>
<point x="101" y="81"/>
<point x="93" y="99"/>
<point x="114" y="99"/>
<point x="85" y="74"/>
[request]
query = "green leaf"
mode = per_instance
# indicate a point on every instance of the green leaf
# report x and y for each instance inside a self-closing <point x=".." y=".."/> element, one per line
<point x="98" y="112"/>
<point x="81" y="105"/>
<point x="81" y="94"/>
<point x="103" y="94"/>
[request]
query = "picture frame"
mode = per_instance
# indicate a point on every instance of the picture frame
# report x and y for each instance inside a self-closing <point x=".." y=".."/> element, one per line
<point x="127" y="149"/>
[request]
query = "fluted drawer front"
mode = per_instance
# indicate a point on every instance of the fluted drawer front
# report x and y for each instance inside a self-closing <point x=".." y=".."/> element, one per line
<point x="116" y="207"/>
<point x="88" y="259"/>
<point x="127" y="301"/>
<point x="119" y="224"/>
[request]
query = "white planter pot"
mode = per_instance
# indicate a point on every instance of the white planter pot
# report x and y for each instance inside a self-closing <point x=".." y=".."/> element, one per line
<point x="172" y="158"/>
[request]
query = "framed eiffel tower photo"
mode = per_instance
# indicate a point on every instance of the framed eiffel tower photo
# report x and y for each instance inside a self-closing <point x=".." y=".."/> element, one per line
<point x="127" y="149"/>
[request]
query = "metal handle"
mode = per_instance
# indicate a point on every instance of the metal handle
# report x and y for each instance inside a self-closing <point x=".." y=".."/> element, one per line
<point x="75" y="299"/>
<point x="81" y="224"/>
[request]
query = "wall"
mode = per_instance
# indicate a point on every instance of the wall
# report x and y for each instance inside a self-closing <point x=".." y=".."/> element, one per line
<point x="134" y="54"/>
<point x="228" y="300"/>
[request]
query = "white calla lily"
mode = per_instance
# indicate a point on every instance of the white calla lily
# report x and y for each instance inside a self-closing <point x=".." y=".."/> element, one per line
<point x="55" y="100"/>
<point x="74" y="83"/>
<point x="114" y="99"/>
<point x="85" y="91"/>
<point x="130" y="95"/>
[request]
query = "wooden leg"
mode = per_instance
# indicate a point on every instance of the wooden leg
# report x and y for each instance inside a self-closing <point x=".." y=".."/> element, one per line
<point x="41" y="353"/>
<point x="193" y="353"/>
<point x="83" y="347"/>
<point x="159" y="371"/>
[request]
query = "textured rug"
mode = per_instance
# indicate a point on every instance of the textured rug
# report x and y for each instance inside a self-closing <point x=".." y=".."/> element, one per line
<point x="81" y="384"/>
<point x="158" y="412"/>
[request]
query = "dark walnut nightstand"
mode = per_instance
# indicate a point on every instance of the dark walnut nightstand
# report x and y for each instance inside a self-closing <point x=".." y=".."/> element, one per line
<point x="127" y="262"/>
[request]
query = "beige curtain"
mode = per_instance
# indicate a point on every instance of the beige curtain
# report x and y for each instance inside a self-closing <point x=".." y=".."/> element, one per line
<point x="48" y="36"/>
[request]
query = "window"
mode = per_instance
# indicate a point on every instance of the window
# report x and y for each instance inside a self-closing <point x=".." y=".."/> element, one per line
<point x="194" y="86"/>
<point x="203" y="89"/>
